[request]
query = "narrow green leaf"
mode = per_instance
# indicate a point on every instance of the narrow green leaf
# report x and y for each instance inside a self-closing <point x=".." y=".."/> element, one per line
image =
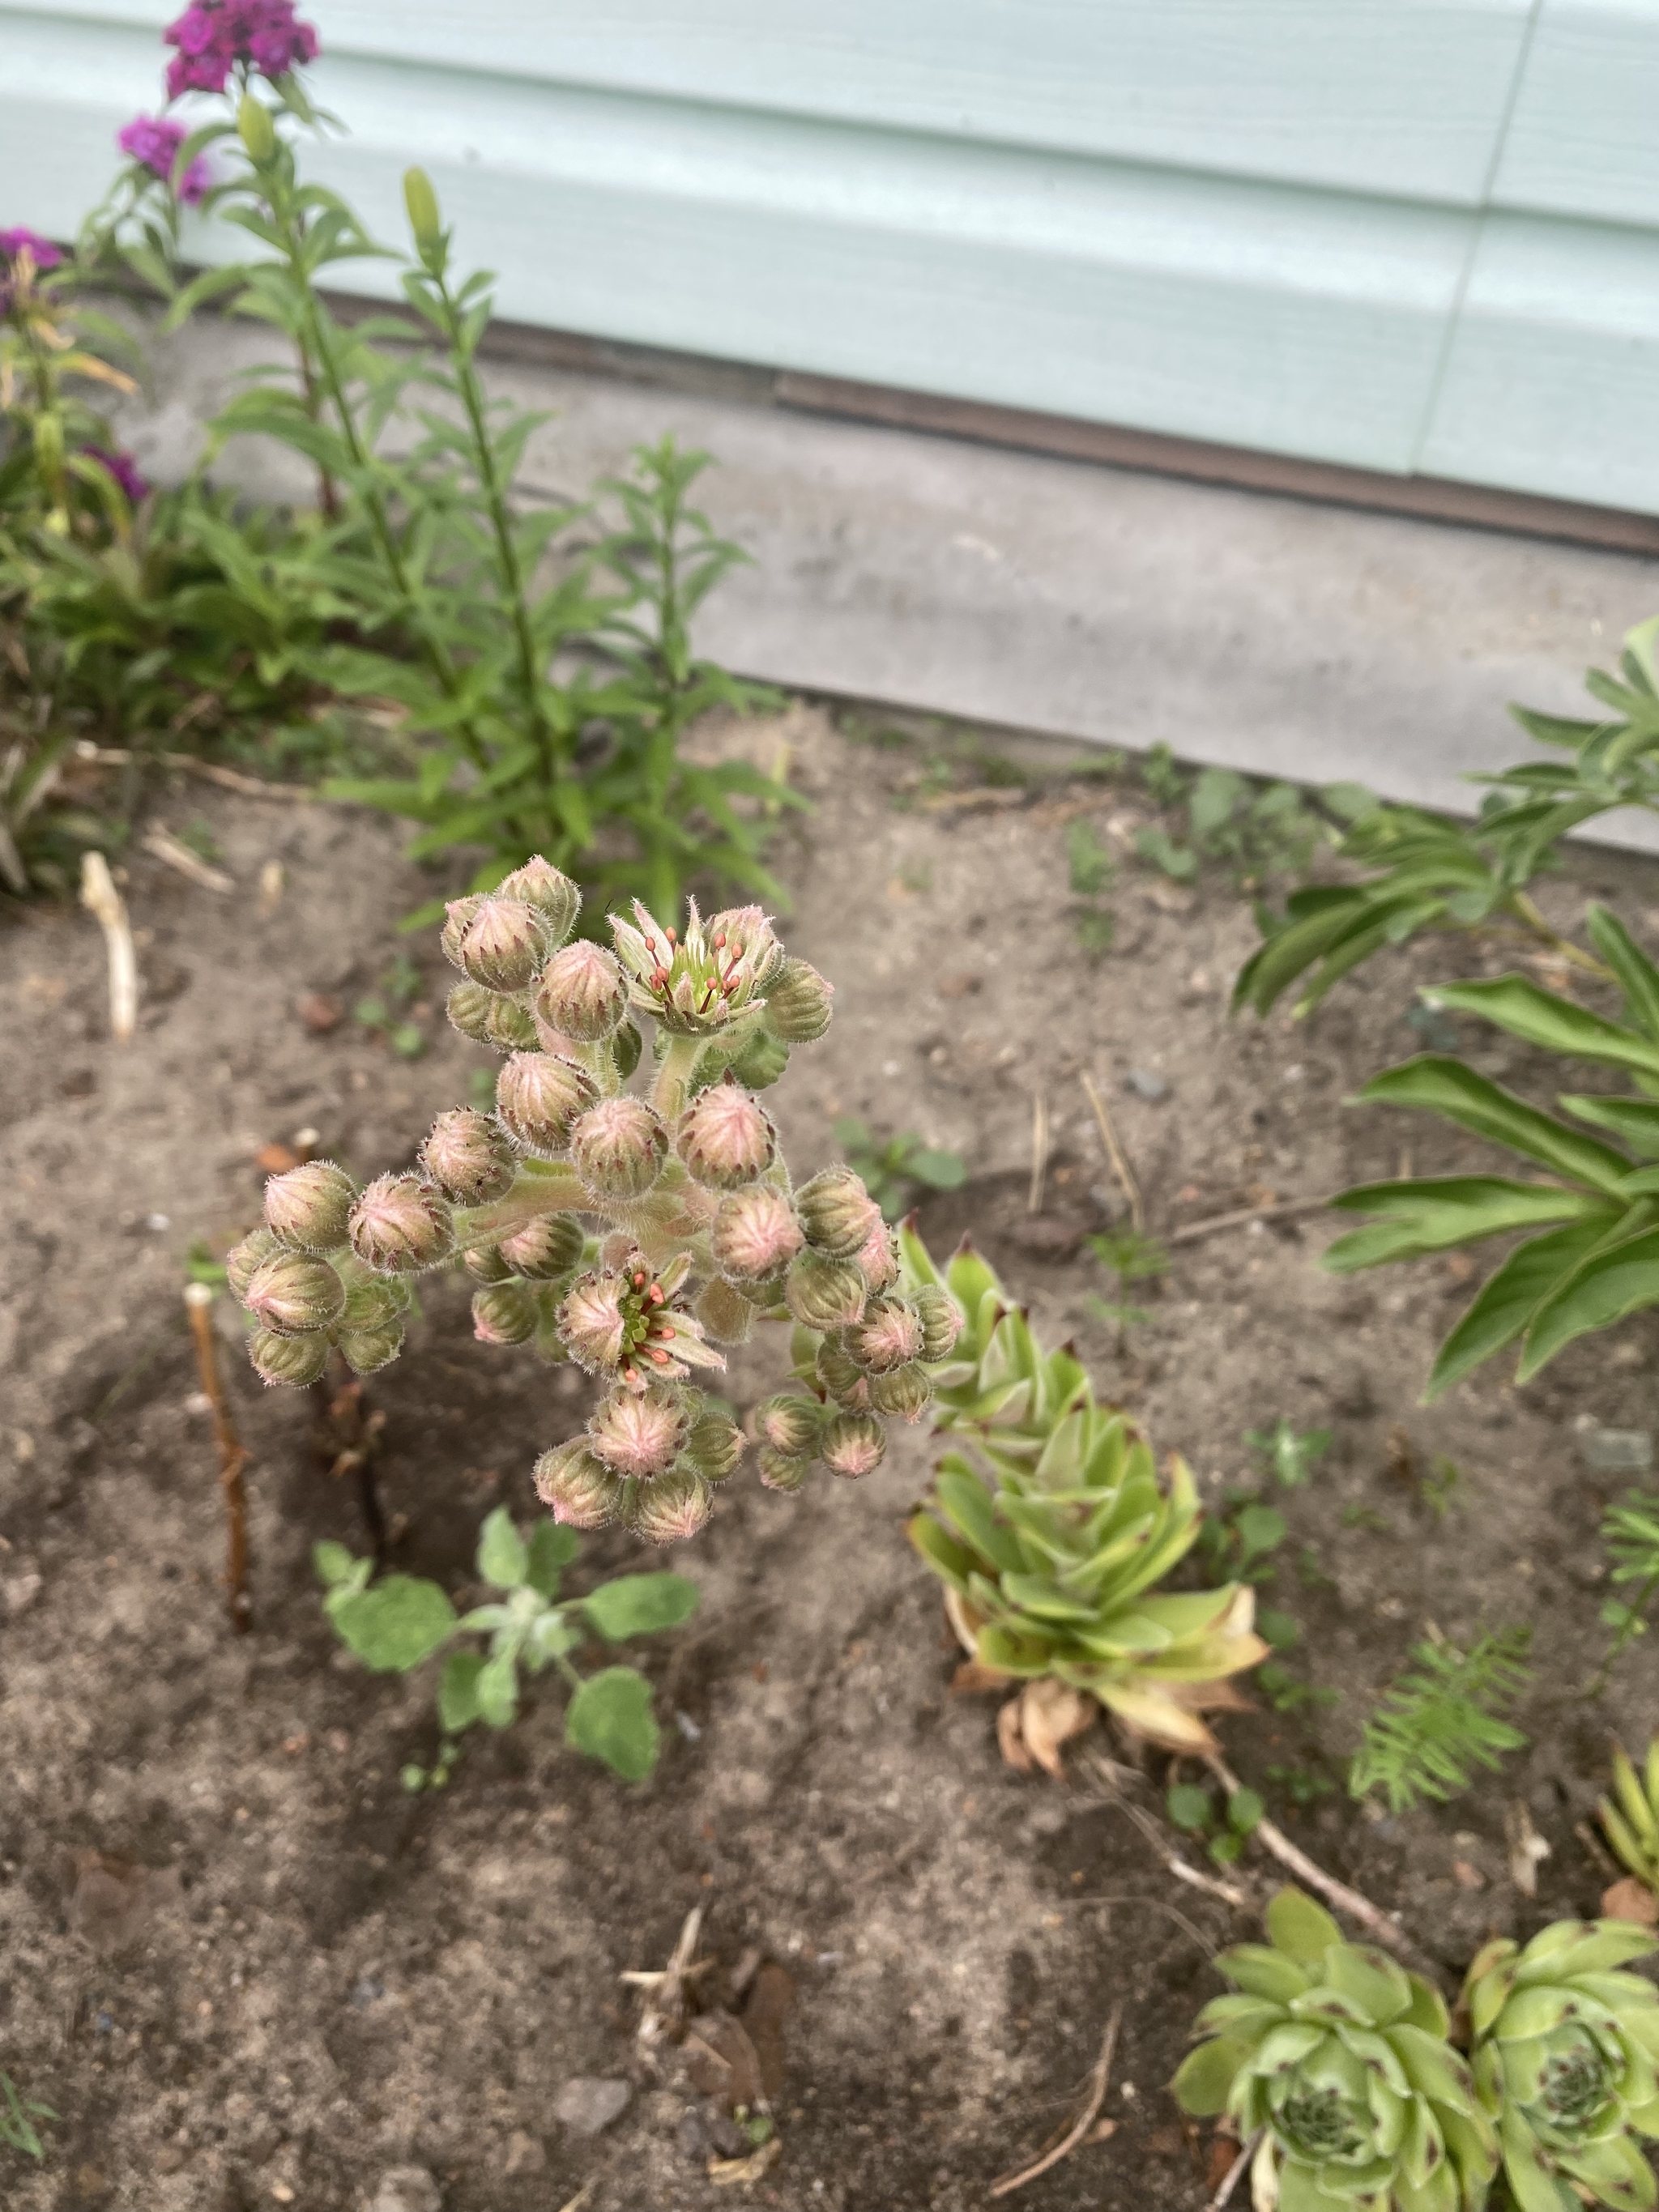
<point x="1612" y="1283"/>
<point x="1638" y="979"/>
<point x="1507" y="1301"/>
<point x="1540" y="1018"/>
<point x="1437" y="1084"/>
<point x="1437" y="1212"/>
<point x="610" y="1719"/>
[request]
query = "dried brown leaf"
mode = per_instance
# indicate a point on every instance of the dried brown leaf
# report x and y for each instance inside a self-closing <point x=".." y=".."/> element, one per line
<point x="1631" y="1900"/>
<point x="1010" y="1737"/>
<point x="1050" y="1714"/>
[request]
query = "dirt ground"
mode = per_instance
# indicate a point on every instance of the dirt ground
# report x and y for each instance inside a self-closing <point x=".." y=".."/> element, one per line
<point x="288" y="1981"/>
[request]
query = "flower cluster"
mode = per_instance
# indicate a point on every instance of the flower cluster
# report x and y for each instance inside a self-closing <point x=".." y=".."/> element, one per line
<point x="122" y="466"/>
<point x="632" y="1232"/>
<point x="153" y="142"/>
<point x="41" y="251"/>
<point x="214" y="37"/>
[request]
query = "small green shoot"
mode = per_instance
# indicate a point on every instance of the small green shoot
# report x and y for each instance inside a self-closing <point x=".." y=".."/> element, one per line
<point x="17" y="2118"/>
<point x="1289" y="1456"/>
<point x="1442" y="1718"/>
<point x="1303" y="1785"/>
<point x="384" y="1012"/>
<point x="1630" y="1532"/>
<point x="1223" y="1829"/>
<point x="201" y="1266"/>
<point x="1090" y="870"/>
<point x="1132" y="1258"/>
<point x="897" y="1169"/>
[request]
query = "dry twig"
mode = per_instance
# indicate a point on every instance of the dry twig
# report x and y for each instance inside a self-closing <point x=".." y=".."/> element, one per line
<point x="1039" y="1150"/>
<point x="1243" y="1219"/>
<point x="1116" y="1155"/>
<point x="1230" y="2180"/>
<point x="1080" y="2126"/>
<point x="161" y="845"/>
<point x="664" y="2003"/>
<point x="1228" y="1892"/>
<point x="105" y="903"/>
<point x="233" y="1457"/>
<point x="227" y="779"/>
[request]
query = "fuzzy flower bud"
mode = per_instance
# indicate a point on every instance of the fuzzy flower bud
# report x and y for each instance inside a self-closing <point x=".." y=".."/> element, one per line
<point x="724" y="1139"/>
<point x="306" y="1209"/>
<point x="673" y="1508"/>
<point x="545" y="1248"/>
<point x="485" y="1264"/>
<point x="756" y="1234"/>
<point x="789" y="1424"/>
<point x="593" y="1320"/>
<point x="725" y="1313"/>
<point x="373" y="1304"/>
<point x="904" y="1394"/>
<point x="798" y="1003"/>
<point x="714" y="1447"/>
<point x="941" y="1321"/>
<point x="823" y="1293"/>
<point x="888" y="1336"/>
<point x="846" y="1381"/>
<point x="554" y="897"/>
<point x="469" y="1156"/>
<point x="295" y="1360"/>
<point x="505" y="1313"/>
<point x="640" y="1433"/>
<point x="837" y="1212"/>
<point x="576" y="1489"/>
<point x="538" y="1097"/>
<point x="288" y="1296"/>
<point x="779" y="1472"/>
<point x="852" y="1444"/>
<point x="503" y="946"/>
<point x="242" y="1259"/>
<point x="488" y="1018"/>
<point x="366" y="1351"/>
<point x="583" y="993"/>
<point x="459" y="916"/>
<point x="400" y="1225"/>
<point x="878" y="1258"/>
<point x="618" y="1146"/>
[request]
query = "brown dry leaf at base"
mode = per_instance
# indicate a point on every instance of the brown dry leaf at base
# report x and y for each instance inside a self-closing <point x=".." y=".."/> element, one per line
<point x="771" y="2001"/>
<point x="112" y="1900"/>
<point x="755" y="2167"/>
<point x="974" y="1675"/>
<point x="1631" y="1900"/>
<point x="721" y="2061"/>
<point x="318" y="1011"/>
<point x="1010" y="1737"/>
<point x="1044" y="1718"/>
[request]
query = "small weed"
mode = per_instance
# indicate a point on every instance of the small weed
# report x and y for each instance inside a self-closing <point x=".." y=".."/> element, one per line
<point x="201" y="1266"/>
<point x="1256" y="831"/>
<point x="1132" y="1258"/>
<point x="1287" y="1692"/>
<point x="1441" y="1718"/>
<point x="1366" y="1517"/>
<point x="1439" y="1486"/>
<point x="1290" y="1455"/>
<point x="1630" y="1532"/>
<point x="897" y="1169"/>
<point x="1222" y="1828"/>
<point x="17" y="2118"/>
<point x="199" y="837"/>
<point x="1303" y="1785"/>
<point x="917" y="876"/>
<point x="1089" y="870"/>
<point x="385" y="1014"/>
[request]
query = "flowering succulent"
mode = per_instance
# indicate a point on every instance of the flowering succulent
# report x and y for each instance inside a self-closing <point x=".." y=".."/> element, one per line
<point x="153" y="142"/>
<point x="212" y="38"/>
<point x="1565" y="2049"/>
<point x="701" y="983"/>
<point x="1339" y="2059"/>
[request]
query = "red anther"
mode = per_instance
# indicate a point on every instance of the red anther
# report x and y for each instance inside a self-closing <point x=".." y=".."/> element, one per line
<point x="655" y="1294"/>
<point x="639" y="1280"/>
<point x="720" y="938"/>
<point x="658" y="978"/>
<point x="669" y="934"/>
<point x="661" y="1358"/>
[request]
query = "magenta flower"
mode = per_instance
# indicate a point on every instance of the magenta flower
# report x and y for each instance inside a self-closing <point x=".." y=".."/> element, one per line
<point x="153" y="142"/>
<point x="124" y="470"/>
<point x="24" y="240"/>
<point x="213" y="36"/>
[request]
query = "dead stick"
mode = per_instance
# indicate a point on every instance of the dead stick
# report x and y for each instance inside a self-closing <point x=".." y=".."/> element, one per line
<point x="105" y="903"/>
<point x="1243" y="1219"/>
<point x="233" y="1457"/>
<point x="1230" y="2178"/>
<point x="250" y="787"/>
<point x="1039" y="1150"/>
<point x="1228" y="1892"/>
<point x="1080" y="2126"/>
<point x="1116" y="1155"/>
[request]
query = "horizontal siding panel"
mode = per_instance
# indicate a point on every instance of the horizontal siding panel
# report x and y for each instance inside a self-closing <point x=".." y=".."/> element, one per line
<point x="1402" y="97"/>
<point x="1552" y="382"/>
<point x="1585" y="139"/>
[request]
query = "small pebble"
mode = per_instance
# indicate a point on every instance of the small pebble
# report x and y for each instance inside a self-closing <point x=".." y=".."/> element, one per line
<point x="586" y="2105"/>
<point x="406" y="2189"/>
<point x="1146" y="1084"/>
<point x="1616" y="1451"/>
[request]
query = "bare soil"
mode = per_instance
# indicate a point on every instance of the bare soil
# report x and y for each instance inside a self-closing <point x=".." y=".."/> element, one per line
<point x="247" y="1967"/>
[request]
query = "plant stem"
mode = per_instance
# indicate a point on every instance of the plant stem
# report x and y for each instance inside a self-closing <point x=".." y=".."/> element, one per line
<point x="552" y="1190"/>
<point x="1572" y="954"/>
<point x="233" y="1457"/>
<point x="679" y="1063"/>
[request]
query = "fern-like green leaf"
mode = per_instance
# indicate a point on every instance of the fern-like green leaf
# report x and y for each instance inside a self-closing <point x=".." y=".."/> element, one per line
<point x="1441" y="1719"/>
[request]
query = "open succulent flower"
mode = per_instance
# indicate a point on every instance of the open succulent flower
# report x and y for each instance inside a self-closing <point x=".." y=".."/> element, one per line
<point x="1565" y="2051"/>
<point x="1339" y="2057"/>
<point x="1052" y="1564"/>
<point x="697" y="983"/>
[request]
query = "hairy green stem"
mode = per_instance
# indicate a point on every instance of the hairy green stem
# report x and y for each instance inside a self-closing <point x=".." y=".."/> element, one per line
<point x="674" y="1077"/>
<point x="539" y="1191"/>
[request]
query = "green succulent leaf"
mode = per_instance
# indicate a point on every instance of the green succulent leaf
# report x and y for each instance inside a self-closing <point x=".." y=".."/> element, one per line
<point x="1304" y="1931"/>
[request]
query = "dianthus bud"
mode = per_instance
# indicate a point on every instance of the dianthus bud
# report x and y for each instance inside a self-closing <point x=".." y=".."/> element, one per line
<point x="576" y="1488"/>
<point x="545" y="1248"/>
<point x="469" y="1156"/>
<point x="837" y="1212"/>
<point x="789" y="1424"/>
<point x="618" y="1146"/>
<point x="726" y="1315"/>
<point x="781" y="1473"/>
<point x="583" y="993"/>
<point x="714" y="1446"/>
<point x="761" y="1060"/>
<point x="505" y="1313"/>
<point x="903" y="1393"/>
<point x="888" y="1335"/>
<point x="798" y="1003"/>
<point x="539" y="1095"/>
<point x="673" y="1508"/>
<point x="295" y="1360"/>
<point x="421" y="203"/>
<point x="289" y="1296"/>
<point x="593" y="1320"/>
<point x="724" y="1139"/>
<point x="400" y="1225"/>
<point x="878" y="1258"/>
<point x="851" y="1444"/>
<point x="755" y="1234"/>
<point x="846" y="1381"/>
<point x="374" y="1305"/>
<point x="823" y="1293"/>
<point x="488" y="1019"/>
<point x="485" y="1264"/>
<point x="366" y="1351"/>
<point x="255" y="129"/>
<point x="306" y="1209"/>
<point x="640" y="1433"/>
<point x="242" y="1259"/>
<point x="552" y="894"/>
<point x="941" y="1321"/>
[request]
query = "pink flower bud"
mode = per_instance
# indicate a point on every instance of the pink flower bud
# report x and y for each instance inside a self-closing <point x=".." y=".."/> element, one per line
<point x="847" y="1383"/>
<point x="789" y="1424"/>
<point x="288" y="1296"/>
<point x="618" y="1146"/>
<point x="401" y="1224"/>
<point x="639" y="1433"/>
<point x="374" y="1304"/>
<point x="488" y="1018"/>
<point x="852" y="1444"/>
<point x="575" y="1487"/>
<point x="781" y="1473"/>
<point x="294" y="1360"/>
<point x="593" y="1322"/>
<point x="502" y="945"/>
<point x="724" y="1139"/>
<point x="307" y="1208"/>
<point x="889" y="1335"/>
<point x="837" y="1213"/>
<point x="367" y="1351"/>
<point x="714" y="1447"/>
<point x="798" y="1003"/>
<point x="878" y="1258"/>
<point x="554" y="897"/>
<point x="903" y="1393"/>
<point x="583" y="993"/>
<point x="505" y="1313"/>
<point x="538" y="1097"/>
<point x="545" y="1248"/>
<point x="672" y="1509"/>
<point x="458" y="914"/>
<point x="755" y="1234"/>
<point x="469" y="1156"/>
<point x="242" y="1259"/>
<point x="823" y="1293"/>
<point x="941" y="1321"/>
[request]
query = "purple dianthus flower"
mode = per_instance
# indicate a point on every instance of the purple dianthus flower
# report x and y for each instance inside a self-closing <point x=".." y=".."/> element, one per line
<point x="124" y="470"/>
<point x="212" y="36"/>
<point x="24" y="240"/>
<point x="155" y="141"/>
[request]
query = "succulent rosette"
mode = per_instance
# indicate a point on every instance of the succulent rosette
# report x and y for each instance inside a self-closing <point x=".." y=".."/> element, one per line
<point x="1565" y="2049"/>
<point x="1339" y="2059"/>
